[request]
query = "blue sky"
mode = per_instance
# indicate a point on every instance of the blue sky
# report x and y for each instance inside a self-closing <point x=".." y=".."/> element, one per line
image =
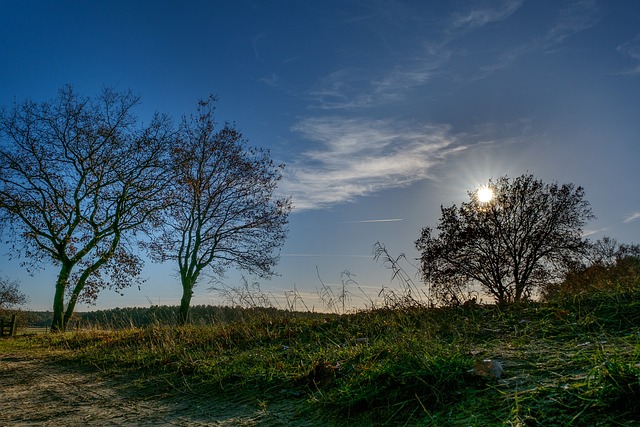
<point x="381" y="110"/>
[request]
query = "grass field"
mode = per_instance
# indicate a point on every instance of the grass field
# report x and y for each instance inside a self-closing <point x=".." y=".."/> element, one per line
<point x="569" y="363"/>
<point x="32" y="330"/>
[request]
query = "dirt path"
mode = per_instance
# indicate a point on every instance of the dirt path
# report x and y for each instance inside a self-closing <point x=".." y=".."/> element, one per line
<point x="37" y="392"/>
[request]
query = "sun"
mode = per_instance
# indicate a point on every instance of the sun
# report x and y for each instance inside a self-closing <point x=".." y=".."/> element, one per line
<point x="484" y="194"/>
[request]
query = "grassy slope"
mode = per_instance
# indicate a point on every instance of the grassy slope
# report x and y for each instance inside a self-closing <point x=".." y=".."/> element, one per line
<point x="576" y="363"/>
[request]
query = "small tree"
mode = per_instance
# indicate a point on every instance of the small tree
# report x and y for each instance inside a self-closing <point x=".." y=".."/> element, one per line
<point x="607" y="252"/>
<point x="509" y="244"/>
<point x="78" y="178"/>
<point x="224" y="211"/>
<point x="10" y="295"/>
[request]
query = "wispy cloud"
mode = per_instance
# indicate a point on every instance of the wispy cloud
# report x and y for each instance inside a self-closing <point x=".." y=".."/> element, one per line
<point x="577" y="17"/>
<point x="571" y="20"/>
<point x="340" y="90"/>
<point x="631" y="49"/>
<point x="357" y="157"/>
<point x="257" y="43"/>
<point x="347" y="158"/>
<point x="352" y="89"/>
<point x="348" y="89"/>
<point x="477" y="17"/>
<point x="271" y="80"/>
<point x="632" y="217"/>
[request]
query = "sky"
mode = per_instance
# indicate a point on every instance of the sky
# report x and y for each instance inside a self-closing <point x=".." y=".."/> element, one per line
<point x="381" y="110"/>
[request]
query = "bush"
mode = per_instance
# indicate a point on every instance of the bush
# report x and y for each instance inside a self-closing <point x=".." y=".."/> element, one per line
<point x="619" y="277"/>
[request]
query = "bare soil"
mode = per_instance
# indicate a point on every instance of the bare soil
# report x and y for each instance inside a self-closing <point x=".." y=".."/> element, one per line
<point x="36" y="391"/>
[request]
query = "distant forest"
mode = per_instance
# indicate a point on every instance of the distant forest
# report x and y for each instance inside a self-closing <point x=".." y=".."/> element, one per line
<point x="144" y="316"/>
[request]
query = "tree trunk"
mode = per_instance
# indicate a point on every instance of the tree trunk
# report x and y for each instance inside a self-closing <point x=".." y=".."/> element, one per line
<point x="73" y="299"/>
<point x="185" y="301"/>
<point x="58" y="324"/>
<point x="71" y="304"/>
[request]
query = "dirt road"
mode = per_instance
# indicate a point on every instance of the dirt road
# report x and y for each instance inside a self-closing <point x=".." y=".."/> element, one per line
<point x="38" y="392"/>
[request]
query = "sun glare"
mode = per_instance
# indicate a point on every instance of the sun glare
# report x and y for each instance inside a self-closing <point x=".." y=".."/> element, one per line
<point x="485" y="194"/>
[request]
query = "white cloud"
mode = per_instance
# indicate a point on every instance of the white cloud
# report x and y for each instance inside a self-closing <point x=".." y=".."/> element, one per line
<point x="357" y="157"/>
<point x="632" y="217"/>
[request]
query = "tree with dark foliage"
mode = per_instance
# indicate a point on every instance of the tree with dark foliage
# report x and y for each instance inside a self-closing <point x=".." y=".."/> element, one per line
<point x="521" y="238"/>
<point x="223" y="207"/>
<point x="78" y="179"/>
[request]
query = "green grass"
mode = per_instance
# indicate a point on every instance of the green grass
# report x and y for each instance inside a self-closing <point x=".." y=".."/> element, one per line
<point x="574" y="362"/>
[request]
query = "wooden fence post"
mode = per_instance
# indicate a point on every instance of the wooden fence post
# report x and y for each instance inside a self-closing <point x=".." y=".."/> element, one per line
<point x="12" y="333"/>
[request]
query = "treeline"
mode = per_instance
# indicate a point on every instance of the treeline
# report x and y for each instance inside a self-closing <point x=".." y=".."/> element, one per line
<point x="127" y="317"/>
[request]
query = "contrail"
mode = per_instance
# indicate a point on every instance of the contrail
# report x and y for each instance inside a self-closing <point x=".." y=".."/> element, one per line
<point x="327" y="255"/>
<point x="372" y="220"/>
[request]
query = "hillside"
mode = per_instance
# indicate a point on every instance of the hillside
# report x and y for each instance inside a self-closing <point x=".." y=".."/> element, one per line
<point x="575" y="362"/>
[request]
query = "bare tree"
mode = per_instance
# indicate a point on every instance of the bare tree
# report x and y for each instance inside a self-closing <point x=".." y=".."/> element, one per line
<point x="10" y="294"/>
<point x="607" y="251"/>
<point x="78" y="179"/>
<point x="224" y="211"/>
<point x="521" y="238"/>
